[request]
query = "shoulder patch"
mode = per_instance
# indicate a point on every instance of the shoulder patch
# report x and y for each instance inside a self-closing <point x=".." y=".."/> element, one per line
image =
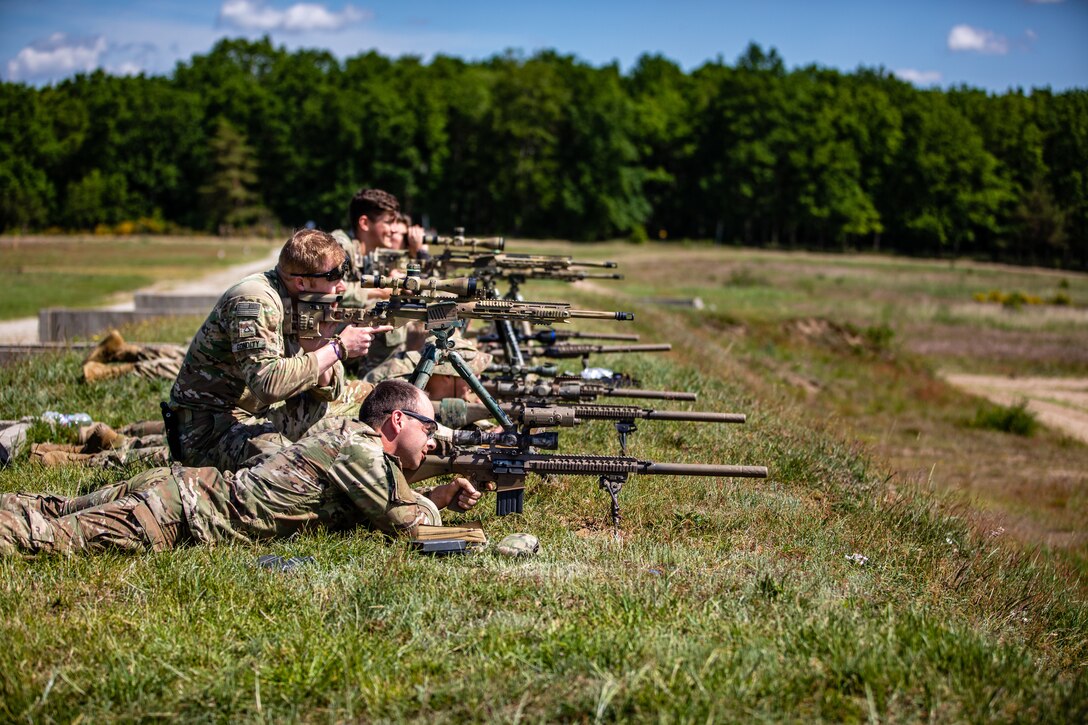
<point x="247" y="309"/>
<point x="248" y="345"/>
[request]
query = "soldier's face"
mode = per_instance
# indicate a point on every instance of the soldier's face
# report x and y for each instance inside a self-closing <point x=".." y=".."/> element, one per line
<point x="323" y="285"/>
<point x="413" y="444"/>
<point x="377" y="233"/>
<point x="399" y="230"/>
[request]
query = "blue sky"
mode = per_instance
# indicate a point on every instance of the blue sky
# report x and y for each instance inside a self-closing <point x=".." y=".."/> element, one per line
<point x="991" y="44"/>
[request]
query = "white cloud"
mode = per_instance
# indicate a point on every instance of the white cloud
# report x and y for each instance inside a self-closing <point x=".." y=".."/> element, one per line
<point x="964" y="37"/>
<point x="919" y="77"/>
<point x="300" y="17"/>
<point x="127" y="68"/>
<point x="57" y="55"/>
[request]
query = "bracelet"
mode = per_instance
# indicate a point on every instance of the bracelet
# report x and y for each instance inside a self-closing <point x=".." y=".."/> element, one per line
<point x="338" y="347"/>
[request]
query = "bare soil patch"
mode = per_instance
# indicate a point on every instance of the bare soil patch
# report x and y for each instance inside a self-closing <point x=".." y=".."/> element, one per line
<point x="1061" y="403"/>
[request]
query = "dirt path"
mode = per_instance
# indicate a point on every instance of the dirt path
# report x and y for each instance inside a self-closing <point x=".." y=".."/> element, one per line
<point x="1060" y="403"/>
<point x="25" y="329"/>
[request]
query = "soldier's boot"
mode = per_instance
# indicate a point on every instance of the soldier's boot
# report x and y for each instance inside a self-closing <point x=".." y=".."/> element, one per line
<point x="99" y="437"/>
<point x="94" y="372"/>
<point x="113" y="348"/>
<point x="61" y="458"/>
<point x="38" y="449"/>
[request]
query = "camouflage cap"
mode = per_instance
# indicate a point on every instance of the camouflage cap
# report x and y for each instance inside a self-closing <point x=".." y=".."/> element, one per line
<point x="402" y="365"/>
<point x="516" y="545"/>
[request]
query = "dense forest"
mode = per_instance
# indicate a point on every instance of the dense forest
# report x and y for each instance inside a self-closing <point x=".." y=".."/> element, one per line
<point x="252" y="135"/>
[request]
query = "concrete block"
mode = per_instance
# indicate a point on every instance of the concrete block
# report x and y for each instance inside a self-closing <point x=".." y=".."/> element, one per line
<point x="174" y="303"/>
<point x="58" y="324"/>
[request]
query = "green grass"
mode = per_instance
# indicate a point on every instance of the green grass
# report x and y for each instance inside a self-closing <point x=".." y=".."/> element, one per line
<point x="27" y="290"/>
<point x="724" y="600"/>
<point x="1016" y="419"/>
<point x="87" y="271"/>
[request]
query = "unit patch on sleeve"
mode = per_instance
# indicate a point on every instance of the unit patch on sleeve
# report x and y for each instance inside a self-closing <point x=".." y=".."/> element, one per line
<point x="247" y="309"/>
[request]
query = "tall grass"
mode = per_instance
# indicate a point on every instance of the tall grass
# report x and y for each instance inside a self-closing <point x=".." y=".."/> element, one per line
<point x="829" y="591"/>
<point x="722" y="600"/>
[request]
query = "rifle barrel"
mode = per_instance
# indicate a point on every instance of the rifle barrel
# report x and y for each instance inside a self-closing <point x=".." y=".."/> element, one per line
<point x="602" y="315"/>
<point x="576" y="465"/>
<point x="615" y="392"/>
<point x="700" y="469"/>
<point x="572" y="351"/>
<point x="623" y="412"/>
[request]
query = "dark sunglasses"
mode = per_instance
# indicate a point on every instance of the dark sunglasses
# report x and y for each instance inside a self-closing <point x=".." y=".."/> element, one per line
<point x="429" y="424"/>
<point x="333" y="275"/>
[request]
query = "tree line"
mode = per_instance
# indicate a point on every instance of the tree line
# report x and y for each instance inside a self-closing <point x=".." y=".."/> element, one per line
<point x="549" y="146"/>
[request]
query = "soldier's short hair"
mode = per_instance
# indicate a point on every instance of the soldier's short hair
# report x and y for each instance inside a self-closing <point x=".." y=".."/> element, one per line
<point x="310" y="251"/>
<point x="371" y="203"/>
<point x="387" y="396"/>
<point x="405" y="219"/>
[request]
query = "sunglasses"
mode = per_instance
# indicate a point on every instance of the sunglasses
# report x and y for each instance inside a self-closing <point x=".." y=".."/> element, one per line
<point x="429" y="424"/>
<point x="333" y="275"/>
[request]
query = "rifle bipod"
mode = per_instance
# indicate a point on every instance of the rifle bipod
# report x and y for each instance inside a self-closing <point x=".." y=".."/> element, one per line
<point x="625" y="428"/>
<point x="444" y="343"/>
<point x="611" y="484"/>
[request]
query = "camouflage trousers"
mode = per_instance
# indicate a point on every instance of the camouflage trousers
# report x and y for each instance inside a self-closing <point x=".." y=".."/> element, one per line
<point x="164" y="368"/>
<point x="141" y="514"/>
<point x="229" y="443"/>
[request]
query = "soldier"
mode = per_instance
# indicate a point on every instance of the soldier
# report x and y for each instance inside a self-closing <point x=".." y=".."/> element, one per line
<point x="375" y="218"/>
<point x="249" y="385"/>
<point x="341" y="478"/>
<point x="113" y="357"/>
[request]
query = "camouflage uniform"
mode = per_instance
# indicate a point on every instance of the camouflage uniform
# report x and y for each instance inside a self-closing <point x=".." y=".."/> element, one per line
<point x="385" y="345"/>
<point x="245" y="387"/>
<point x="338" y="479"/>
<point x="403" y="365"/>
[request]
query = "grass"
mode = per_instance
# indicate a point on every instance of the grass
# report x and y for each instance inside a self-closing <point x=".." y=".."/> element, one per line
<point x="87" y="271"/>
<point x="1016" y="419"/>
<point x="724" y="600"/>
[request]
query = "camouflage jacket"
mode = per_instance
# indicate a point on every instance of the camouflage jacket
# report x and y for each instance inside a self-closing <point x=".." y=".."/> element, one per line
<point x="340" y="478"/>
<point x="245" y="356"/>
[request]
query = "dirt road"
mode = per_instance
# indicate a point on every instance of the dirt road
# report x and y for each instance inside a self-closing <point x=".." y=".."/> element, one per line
<point x="25" y="329"/>
<point x="1061" y="403"/>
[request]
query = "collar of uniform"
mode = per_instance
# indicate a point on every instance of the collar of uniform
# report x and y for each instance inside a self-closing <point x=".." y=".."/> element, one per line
<point x="358" y="427"/>
<point x="276" y="282"/>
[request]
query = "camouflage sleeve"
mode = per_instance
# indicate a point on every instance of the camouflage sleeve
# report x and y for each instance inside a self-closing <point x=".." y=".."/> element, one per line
<point x="255" y="324"/>
<point x="378" y="489"/>
<point x="334" y="390"/>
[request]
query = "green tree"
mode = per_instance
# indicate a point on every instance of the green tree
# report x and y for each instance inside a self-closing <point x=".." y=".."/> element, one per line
<point x="229" y="198"/>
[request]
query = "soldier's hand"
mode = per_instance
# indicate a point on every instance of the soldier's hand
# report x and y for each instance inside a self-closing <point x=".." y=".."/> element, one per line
<point x="357" y="340"/>
<point x="414" y="239"/>
<point x="458" y="495"/>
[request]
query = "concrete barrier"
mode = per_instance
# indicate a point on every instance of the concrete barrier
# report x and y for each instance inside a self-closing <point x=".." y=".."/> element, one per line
<point x="18" y="350"/>
<point x="58" y="324"/>
<point x="166" y="303"/>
